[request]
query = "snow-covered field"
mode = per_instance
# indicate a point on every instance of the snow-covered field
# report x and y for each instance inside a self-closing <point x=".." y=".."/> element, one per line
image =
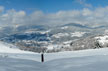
<point x="14" y="59"/>
<point x="77" y="34"/>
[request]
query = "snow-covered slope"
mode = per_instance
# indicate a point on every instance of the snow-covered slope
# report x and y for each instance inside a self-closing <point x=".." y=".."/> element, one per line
<point x="85" y="60"/>
<point x="8" y="48"/>
<point x="13" y="59"/>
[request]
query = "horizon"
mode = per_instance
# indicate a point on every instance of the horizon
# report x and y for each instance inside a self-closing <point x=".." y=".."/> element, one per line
<point x="54" y="12"/>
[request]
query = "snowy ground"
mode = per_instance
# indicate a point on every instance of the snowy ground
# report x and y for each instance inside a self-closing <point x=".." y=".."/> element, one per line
<point x="85" y="60"/>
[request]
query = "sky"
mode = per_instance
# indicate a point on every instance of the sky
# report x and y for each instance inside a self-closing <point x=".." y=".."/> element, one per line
<point x="52" y="6"/>
<point x="92" y="13"/>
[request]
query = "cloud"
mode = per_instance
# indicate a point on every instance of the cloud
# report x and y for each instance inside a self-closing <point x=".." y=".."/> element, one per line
<point x="83" y="2"/>
<point x="1" y="8"/>
<point x="12" y="17"/>
<point x="92" y="18"/>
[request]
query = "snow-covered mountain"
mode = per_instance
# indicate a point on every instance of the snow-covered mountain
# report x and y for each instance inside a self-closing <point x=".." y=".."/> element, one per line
<point x="14" y="59"/>
<point x="39" y="37"/>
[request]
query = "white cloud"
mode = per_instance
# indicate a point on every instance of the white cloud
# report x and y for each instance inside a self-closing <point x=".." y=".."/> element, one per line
<point x="86" y="12"/>
<point x="85" y="16"/>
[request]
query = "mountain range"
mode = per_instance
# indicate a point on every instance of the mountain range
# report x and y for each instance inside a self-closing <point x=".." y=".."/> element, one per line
<point x="42" y="37"/>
